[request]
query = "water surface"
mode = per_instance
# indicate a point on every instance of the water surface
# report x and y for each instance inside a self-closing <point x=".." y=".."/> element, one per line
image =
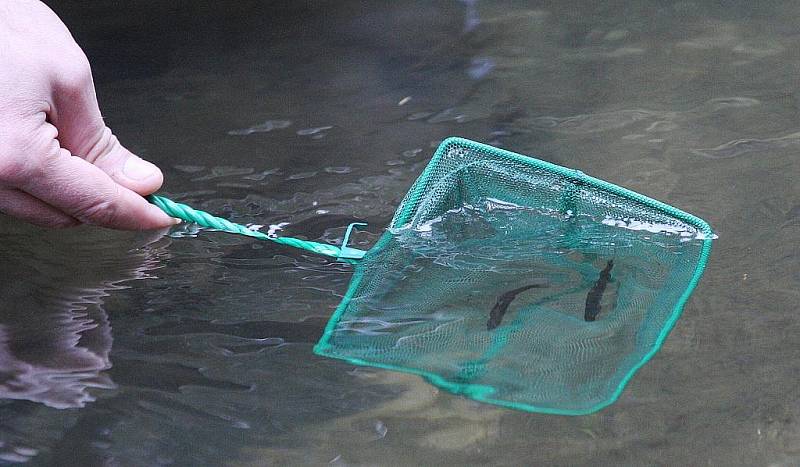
<point x="195" y="348"/>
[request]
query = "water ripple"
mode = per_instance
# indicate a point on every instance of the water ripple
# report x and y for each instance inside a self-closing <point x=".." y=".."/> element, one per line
<point x="592" y="123"/>
<point x="738" y="147"/>
<point x="314" y="132"/>
<point x="662" y="121"/>
<point x="269" y="125"/>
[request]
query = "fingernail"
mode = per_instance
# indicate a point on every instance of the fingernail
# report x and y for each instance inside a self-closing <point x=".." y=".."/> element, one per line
<point x="138" y="169"/>
<point x="164" y="219"/>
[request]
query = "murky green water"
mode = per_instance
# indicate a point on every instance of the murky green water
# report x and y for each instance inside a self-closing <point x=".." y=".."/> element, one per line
<point x="143" y="349"/>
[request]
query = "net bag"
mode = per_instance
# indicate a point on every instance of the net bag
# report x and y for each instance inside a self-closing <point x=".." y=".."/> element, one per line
<point x="516" y="282"/>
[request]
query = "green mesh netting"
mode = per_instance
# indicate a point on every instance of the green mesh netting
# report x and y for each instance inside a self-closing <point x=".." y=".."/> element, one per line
<point x="520" y="283"/>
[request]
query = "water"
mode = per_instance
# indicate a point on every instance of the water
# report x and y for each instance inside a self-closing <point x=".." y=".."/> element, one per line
<point x="148" y="349"/>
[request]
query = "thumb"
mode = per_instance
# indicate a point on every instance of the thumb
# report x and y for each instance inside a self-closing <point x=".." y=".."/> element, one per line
<point x="84" y="192"/>
<point x="82" y="131"/>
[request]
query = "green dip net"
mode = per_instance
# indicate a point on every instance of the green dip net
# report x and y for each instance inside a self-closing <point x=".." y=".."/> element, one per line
<point x="517" y="282"/>
<point x="481" y="223"/>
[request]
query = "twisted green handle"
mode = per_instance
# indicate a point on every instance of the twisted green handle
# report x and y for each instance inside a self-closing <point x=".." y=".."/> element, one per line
<point x="189" y="214"/>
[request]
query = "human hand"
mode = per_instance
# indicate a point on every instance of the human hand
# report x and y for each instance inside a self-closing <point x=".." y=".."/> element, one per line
<point x="60" y="165"/>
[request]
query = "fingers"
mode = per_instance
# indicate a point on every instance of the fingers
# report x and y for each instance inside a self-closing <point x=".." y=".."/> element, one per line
<point x="83" y="132"/>
<point x="86" y="193"/>
<point x="26" y="207"/>
<point x="49" y="111"/>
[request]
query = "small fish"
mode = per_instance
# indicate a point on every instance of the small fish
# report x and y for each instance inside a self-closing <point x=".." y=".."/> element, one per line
<point x="503" y="301"/>
<point x="594" y="296"/>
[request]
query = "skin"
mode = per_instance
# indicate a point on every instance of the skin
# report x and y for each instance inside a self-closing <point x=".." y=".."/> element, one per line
<point x="60" y="166"/>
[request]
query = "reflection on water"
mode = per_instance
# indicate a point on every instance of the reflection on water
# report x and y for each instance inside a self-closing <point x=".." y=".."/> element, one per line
<point x="209" y="361"/>
<point x="55" y="336"/>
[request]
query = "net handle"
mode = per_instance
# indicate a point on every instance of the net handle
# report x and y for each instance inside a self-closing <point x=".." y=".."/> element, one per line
<point x="202" y="218"/>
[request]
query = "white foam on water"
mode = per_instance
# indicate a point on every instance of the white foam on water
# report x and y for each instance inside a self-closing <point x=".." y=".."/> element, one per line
<point x="656" y="227"/>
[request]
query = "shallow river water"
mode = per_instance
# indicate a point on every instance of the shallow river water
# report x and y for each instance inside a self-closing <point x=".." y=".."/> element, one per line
<point x="193" y="348"/>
